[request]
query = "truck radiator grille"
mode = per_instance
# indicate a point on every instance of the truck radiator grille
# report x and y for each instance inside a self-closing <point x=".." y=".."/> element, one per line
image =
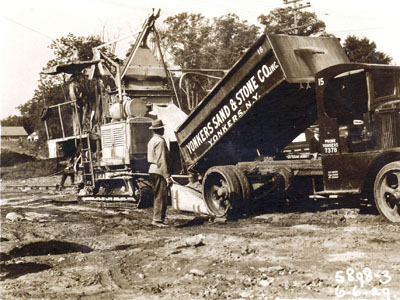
<point x="113" y="137"/>
<point x="390" y="126"/>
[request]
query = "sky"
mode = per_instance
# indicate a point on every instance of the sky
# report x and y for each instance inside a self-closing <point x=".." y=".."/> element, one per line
<point x="27" y="28"/>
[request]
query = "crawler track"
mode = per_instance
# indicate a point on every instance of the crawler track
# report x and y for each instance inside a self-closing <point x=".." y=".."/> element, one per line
<point x="25" y="187"/>
<point x="109" y="201"/>
<point x="97" y="201"/>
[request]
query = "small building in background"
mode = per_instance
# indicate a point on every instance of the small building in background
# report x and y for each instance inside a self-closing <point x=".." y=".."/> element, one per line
<point x="13" y="133"/>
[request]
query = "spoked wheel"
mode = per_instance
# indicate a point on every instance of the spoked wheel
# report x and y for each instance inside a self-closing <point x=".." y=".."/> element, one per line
<point x="221" y="191"/>
<point x="387" y="191"/>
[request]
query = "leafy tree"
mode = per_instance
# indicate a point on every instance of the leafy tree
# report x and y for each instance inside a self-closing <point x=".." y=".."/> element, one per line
<point x="186" y="38"/>
<point x="363" y="50"/>
<point x="12" y="121"/>
<point x="72" y="48"/>
<point x="32" y="109"/>
<point x="281" y="21"/>
<point x="53" y="89"/>
<point x="196" y="42"/>
<point x="231" y="37"/>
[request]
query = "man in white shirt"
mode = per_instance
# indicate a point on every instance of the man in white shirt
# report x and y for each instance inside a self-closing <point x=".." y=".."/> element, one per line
<point x="160" y="176"/>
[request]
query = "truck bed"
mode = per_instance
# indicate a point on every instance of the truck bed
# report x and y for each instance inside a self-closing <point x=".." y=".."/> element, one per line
<point x="262" y="103"/>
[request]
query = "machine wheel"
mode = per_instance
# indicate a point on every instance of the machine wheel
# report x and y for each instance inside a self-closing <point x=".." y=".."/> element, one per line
<point x="387" y="191"/>
<point x="221" y="191"/>
<point x="245" y="188"/>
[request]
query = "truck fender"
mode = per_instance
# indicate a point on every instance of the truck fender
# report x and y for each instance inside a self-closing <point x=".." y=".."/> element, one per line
<point x="376" y="165"/>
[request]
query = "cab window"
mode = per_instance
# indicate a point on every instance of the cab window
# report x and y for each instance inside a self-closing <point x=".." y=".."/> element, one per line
<point x="384" y="83"/>
<point x="346" y="98"/>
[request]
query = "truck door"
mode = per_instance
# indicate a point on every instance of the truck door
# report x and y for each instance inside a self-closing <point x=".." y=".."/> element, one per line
<point x="346" y="130"/>
<point x="385" y="85"/>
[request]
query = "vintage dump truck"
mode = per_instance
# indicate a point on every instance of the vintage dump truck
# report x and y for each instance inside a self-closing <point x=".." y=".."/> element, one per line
<point x="233" y="141"/>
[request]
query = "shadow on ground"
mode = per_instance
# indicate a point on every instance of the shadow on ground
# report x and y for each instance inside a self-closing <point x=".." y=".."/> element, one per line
<point x="303" y="205"/>
<point x="47" y="248"/>
<point x="11" y="271"/>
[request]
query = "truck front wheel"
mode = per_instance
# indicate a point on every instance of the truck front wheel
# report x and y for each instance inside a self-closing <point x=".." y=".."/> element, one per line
<point x="387" y="191"/>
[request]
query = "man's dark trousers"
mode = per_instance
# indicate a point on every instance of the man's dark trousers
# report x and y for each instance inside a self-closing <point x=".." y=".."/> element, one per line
<point x="160" y="191"/>
<point x="64" y="176"/>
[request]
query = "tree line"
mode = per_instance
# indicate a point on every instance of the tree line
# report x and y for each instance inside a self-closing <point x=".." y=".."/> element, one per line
<point x="191" y="41"/>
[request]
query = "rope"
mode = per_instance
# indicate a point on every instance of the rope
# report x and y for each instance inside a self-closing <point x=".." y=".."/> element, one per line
<point x="53" y="174"/>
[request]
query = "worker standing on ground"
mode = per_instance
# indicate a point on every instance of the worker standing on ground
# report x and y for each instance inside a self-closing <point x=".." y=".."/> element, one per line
<point x="68" y="171"/>
<point x="160" y="177"/>
<point x="71" y="169"/>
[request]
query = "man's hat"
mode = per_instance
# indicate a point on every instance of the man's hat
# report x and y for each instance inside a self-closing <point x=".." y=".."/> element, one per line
<point x="156" y="124"/>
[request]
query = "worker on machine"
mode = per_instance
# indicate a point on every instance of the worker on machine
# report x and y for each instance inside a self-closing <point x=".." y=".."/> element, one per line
<point x="160" y="176"/>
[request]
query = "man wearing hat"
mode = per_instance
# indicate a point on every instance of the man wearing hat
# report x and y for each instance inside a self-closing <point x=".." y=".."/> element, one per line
<point x="160" y="177"/>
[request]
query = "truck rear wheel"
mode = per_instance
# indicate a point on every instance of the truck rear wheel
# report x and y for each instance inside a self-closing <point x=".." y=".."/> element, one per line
<point x="221" y="191"/>
<point x="245" y="189"/>
<point x="387" y="191"/>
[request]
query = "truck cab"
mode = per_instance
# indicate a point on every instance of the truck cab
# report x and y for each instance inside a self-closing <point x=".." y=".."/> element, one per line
<point x="359" y="118"/>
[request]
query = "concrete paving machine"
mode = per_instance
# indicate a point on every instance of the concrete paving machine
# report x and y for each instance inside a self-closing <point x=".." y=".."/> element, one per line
<point x="107" y="130"/>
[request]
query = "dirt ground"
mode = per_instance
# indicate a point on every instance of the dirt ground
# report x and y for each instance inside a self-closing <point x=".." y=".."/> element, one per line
<point x="54" y="248"/>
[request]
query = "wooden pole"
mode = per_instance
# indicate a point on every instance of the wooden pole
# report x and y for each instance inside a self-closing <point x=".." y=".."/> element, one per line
<point x="61" y="122"/>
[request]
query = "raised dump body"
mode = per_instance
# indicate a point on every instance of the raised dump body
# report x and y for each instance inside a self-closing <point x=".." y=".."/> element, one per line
<point x="261" y="105"/>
